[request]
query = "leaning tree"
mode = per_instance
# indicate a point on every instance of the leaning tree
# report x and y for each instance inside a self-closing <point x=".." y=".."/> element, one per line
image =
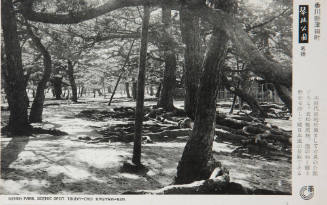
<point x="197" y="161"/>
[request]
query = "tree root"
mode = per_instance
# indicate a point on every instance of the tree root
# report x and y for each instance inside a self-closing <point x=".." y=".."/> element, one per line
<point x="216" y="184"/>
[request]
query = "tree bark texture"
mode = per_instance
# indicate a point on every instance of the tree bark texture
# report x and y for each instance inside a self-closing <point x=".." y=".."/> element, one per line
<point x="16" y="86"/>
<point x="166" y="99"/>
<point x="197" y="161"/>
<point x="37" y="106"/>
<point x="190" y="30"/>
<point x="139" y="111"/>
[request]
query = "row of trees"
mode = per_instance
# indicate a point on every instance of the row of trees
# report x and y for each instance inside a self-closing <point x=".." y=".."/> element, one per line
<point x="234" y="52"/>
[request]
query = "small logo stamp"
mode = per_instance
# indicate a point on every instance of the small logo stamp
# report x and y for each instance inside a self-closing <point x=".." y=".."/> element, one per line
<point x="307" y="192"/>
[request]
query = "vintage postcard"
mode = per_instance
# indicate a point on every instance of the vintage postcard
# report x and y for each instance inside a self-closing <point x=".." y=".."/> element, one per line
<point x="163" y="101"/>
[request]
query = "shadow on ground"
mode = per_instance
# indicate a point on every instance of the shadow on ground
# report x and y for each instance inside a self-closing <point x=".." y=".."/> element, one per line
<point x="49" y="164"/>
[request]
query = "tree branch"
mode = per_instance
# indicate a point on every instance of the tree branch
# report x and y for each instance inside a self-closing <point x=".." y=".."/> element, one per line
<point x="80" y="16"/>
<point x="269" y="70"/>
<point x="247" y="50"/>
<point x="270" y="20"/>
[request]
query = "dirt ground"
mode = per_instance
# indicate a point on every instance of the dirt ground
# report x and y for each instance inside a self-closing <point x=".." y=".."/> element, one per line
<point x="50" y="164"/>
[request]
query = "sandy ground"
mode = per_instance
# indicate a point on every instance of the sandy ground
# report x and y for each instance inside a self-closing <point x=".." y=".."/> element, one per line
<point x="46" y="164"/>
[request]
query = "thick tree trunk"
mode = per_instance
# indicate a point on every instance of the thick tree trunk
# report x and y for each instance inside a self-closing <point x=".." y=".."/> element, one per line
<point x="166" y="99"/>
<point x="190" y="30"/>
<point x="16" y="87"/>
<point x="197" y="161"/>
<point x="127" y="90"/>
<point x="57" y="86"/>
<point x="139" y="112"/>
<point x="37" y="106"/>
<point x="70" y="73"/>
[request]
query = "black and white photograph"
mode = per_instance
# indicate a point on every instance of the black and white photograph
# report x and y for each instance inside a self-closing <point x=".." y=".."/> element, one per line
<point x="147" y="97"/>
